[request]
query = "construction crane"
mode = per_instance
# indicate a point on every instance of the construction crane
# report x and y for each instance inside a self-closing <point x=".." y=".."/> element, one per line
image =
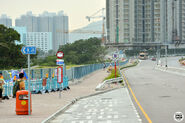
<point x="95" y="16"/>
<point x="80" y="31"/>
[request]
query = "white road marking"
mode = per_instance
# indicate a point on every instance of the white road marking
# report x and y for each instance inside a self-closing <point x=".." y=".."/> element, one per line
<point x="115" y="116"/>
<point x="109" y="116"/>
<point x="102" y="113"/>
<point x="88" y="117"/>
<point x="109" y="121"/>
<point x="90" y="121"/>
<point x="100" y="117"/>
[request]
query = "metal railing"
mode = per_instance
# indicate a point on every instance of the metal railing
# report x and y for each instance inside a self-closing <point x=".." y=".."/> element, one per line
<point x="109" y="81"/>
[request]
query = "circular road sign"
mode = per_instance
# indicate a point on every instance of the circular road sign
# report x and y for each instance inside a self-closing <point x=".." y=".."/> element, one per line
<point x="60" y="54"/>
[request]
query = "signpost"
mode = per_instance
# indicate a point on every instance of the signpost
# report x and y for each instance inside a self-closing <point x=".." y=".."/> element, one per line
<point x="28" y="50"/>
<point x="60" y="69"/>
<point x="115" y="56"/>
<point x="60" y="74"/>
<point x="60" y="62"/>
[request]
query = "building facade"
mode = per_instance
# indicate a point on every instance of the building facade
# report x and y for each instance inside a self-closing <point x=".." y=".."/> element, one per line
<point x="23" y="32"/>
<point x="120" y="21"/>
<point x="56" y="23"/>
<point x="41" y="40"/>
<point x="5" y="20"/>
<point x="29" y="21"/>
<point x="145" y="21"/>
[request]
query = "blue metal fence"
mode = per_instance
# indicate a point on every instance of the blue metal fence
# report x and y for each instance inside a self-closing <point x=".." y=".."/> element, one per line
<point x="85" y="70"/>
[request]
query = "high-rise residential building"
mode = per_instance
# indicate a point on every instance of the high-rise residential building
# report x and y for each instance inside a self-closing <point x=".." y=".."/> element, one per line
<point x="42" y="40"/>
<point x="145" y="21"/>
<point x="29" y="21"/>
<point x="176" y="21"/>
<point x="56" y="23"/>
<point x="120" y="21"/>
<point x="23" y="32"/>
<point x="5" y="20"/>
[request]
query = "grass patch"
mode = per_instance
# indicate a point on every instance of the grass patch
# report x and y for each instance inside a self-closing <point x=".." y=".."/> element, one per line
<point x="181" y="59"/>
<point x="112" y="74"/>
<point x="131" y="65"/>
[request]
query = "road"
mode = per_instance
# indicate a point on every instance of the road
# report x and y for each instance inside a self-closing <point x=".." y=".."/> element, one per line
<point x="161" y="94"/>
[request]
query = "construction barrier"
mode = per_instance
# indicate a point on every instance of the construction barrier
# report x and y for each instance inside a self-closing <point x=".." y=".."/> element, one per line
<point x="37" y="85"/>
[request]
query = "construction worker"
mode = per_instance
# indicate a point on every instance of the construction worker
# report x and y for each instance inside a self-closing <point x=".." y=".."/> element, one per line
<point x="1" y="75"/>
<point x="19" y="84"/>
<point x="1" y="86"/>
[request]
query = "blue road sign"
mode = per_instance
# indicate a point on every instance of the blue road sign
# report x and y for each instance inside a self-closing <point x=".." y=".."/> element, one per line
<point x="28" y="50"/>
<point x="60" y="62"/>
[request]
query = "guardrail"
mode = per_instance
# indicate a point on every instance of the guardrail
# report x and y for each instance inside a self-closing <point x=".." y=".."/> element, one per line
<point x="109" y="81"/>
<point x="113" y="80"/>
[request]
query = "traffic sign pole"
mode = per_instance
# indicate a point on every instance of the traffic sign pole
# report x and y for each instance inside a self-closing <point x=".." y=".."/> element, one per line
<point x="28" y="50"/>
<point x="115" y="68"/>
<point x="60" y="70"/>
<point x="60" y="92"/>
<point x="29" y="84"/>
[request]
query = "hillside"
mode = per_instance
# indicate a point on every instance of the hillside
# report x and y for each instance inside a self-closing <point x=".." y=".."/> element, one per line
<point x="94" y="26"/>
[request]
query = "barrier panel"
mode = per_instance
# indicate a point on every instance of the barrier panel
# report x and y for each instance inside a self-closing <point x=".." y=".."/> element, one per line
<point x="36" y="86"/>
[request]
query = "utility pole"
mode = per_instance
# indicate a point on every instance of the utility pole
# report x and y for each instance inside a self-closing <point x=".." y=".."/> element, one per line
<point x="166" y="46"/>
<point x="164" y="25"/>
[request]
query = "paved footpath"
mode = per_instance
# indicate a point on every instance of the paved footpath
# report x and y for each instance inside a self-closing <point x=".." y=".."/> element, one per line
<point x="111" y="107"/>
<point x="44" y="105"/>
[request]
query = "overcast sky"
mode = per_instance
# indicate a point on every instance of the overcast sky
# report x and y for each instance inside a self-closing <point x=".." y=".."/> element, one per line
<point x="77" y="10"/>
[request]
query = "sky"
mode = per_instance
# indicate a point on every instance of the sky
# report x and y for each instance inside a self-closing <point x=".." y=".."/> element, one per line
<point x="76" y="10"/>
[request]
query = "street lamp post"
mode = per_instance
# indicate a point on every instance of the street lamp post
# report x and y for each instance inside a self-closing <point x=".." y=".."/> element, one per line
<point x="165" y="37"/>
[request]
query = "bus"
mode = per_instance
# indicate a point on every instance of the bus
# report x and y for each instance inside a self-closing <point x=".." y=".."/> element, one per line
<point x="143" y="55"/>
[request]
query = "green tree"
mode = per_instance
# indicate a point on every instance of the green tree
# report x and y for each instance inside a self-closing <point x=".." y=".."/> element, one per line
<point x="10" y="53"/>
<point x="84" y="51"/>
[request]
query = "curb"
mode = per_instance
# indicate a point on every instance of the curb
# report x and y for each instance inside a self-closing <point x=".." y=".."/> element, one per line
<point x="63" y="109"/>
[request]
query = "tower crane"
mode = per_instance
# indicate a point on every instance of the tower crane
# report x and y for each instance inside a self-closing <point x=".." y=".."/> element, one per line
<point x="95" y="16"/>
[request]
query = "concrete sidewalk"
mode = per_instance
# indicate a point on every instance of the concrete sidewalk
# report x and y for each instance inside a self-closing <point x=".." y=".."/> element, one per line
<point x="44" y="105"/>
<point x="111" y="107"/>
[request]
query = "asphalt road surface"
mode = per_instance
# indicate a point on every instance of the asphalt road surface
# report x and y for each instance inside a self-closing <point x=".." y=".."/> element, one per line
<point x="161" y="94"/>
